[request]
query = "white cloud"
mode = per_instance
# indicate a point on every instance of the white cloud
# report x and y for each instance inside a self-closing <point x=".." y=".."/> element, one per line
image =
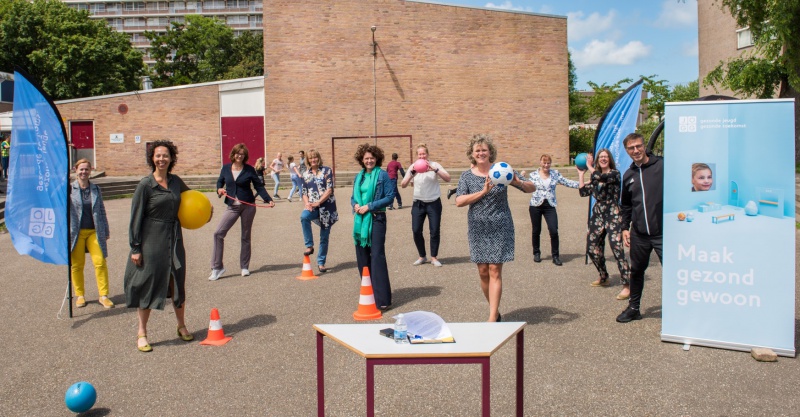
<point x="507" y="5"/>
<point x="579" y="27"/>
<point x="677" y="14"/>
<point x="608" y="53"/>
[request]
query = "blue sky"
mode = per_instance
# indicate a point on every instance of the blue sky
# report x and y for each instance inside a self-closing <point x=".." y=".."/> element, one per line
<point x="612" y="40"/>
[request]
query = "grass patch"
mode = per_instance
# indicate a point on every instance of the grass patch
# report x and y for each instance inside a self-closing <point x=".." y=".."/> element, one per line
<point x="117" y="197"/>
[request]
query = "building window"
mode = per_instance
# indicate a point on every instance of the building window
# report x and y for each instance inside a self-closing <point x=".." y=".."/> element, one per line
<point x="256" y="19"/>
<point x="97" y="7"/>
<point x="214" y="4"/>
<point x="744" y="38"/>
<point x="134" y="22"/>
<point x="135" y="6"/>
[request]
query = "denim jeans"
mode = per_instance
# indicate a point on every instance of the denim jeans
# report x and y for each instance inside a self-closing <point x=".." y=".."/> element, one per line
<point x="297" y="183"/>
<point x="277" y="179"/>
<point x="305" y="221"/>
<point x="396" y="193"/>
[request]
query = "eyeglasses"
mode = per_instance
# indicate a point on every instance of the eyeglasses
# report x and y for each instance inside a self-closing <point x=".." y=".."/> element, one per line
<point x="634" y="147"/>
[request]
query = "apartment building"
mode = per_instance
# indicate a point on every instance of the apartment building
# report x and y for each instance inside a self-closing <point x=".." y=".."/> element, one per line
<point x="136" y="17"/>
<point x="719" y="38"/>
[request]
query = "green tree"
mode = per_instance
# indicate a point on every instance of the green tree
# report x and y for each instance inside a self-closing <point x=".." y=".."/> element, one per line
<point x="577" y="105"/>
<point x="657" y="94"/>
<point x="603" y="96"/>
<point x="248" y="55"/>
<point x="69" y="54"/>
<point x="772" y="67"/>
<point x="581" y="140"/>
<point x="198" y="50"/>
<point x="685" y="92"/>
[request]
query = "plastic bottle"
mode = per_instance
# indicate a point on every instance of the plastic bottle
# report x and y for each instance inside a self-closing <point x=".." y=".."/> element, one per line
<point x="400" y="330"/>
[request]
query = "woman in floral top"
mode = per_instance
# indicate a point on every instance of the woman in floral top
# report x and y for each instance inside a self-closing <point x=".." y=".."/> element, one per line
<point x="320" y="206"/>
<point x="606" y="218"/>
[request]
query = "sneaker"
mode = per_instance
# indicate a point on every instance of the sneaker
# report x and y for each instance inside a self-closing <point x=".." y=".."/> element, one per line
<point x="420" y="261"/>
<point x="215" y="274"/>
<point x="390" y="207"/>
<point x="80" y="301"/>
<point x="435" y="262"/>
<point x="629" y="314"/>
<point x="276" y="197"/>
<point x="399" y="206"/>
<point x="105" y="302"/>
<point x="245" y="272"/>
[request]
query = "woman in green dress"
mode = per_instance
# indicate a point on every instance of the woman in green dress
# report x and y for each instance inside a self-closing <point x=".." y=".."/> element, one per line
<point x="156" y="269"/>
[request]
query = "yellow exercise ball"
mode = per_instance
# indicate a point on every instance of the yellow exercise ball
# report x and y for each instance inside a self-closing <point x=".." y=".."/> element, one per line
<point x="195" y="209"/>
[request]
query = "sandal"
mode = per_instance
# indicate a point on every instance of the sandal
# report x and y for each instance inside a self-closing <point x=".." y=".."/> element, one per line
<point x="309" y="251"/>
<point x="185" y="337"/>
<point x="601" y="282"/>
<point x="146" y="347"/>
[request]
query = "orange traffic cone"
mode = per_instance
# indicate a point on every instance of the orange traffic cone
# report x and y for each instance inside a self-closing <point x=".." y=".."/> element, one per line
<point x="367" y="310"/>
<point x="307" y="273"/>
<point x="216" y="336"/>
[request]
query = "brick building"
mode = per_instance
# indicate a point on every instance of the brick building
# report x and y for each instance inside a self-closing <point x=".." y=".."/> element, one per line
<point x="719" y="38"/>
<point x="441" y="73"/>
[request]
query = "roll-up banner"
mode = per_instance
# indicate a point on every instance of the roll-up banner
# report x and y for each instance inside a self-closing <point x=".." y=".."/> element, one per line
<point x="729" y="225"/>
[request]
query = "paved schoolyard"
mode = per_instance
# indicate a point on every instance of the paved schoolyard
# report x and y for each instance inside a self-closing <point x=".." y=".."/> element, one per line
<point x="578" y="360"/>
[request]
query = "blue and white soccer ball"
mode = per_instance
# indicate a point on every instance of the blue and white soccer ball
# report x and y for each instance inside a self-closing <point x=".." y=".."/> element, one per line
<point x="501" y="173"/>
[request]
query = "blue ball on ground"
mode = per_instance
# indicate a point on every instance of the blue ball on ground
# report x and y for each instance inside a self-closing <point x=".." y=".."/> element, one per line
<point x="80" y="397"/>
<point x="580" y="161"/>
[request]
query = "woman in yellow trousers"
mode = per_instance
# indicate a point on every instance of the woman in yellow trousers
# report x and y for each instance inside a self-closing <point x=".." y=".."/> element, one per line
<point x="88" y="232"/>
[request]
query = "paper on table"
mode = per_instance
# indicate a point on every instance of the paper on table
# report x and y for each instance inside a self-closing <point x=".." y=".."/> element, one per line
<point x="427" y="325"/>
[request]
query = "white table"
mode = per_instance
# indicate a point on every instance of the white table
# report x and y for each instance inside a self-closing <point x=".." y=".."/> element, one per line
<point x="475" y="343"/>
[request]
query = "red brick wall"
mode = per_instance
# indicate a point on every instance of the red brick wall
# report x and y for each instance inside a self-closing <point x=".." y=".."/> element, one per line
<point x="189" y="117"/>
<point x="444" y="73"/>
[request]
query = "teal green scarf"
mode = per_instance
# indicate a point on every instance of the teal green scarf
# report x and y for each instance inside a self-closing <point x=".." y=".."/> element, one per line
<point x="362" y="224"/>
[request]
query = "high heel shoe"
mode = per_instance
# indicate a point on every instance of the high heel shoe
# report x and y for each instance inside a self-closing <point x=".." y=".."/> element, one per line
<point x="146" y="347"/>
<point x="187" y="337"/>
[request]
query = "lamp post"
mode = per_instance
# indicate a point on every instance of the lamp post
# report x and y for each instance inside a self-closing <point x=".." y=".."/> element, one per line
<point x="375" y="82"/>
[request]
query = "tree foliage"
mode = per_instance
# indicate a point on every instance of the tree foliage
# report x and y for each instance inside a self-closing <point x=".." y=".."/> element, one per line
<point x="577" y="105"/>
<point x="69" y="54"/>
<point x="203" y="49"/>
<point x="603" y="96"/>
<point x="658" y="93"/>
<point x="685" y="92"/>
<point x="773" y="65"/>
<point x="581" y="140"/>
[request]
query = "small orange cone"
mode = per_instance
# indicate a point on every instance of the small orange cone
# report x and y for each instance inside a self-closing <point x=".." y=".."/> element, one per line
<point x="307" y="273"/>
<point x="367" y="310"/>
<point x="216" y="336"/>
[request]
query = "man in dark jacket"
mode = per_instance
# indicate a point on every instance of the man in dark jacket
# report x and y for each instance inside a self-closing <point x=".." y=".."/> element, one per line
<point x="642" y="216"/>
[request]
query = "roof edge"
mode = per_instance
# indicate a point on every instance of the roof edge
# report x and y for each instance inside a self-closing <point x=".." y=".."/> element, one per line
<point x="490" y="9"/>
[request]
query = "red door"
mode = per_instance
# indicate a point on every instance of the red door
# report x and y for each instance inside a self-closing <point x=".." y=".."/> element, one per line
<point x="247" y="130"/>
<point x="82" y="135"/>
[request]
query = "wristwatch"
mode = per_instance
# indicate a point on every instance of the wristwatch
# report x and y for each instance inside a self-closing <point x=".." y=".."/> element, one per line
<point x="436" y="170"/>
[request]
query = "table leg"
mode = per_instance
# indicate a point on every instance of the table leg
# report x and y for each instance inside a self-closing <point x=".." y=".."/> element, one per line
<point x="320" y="377"/>
<point x="485" y="386"/>
<point x="520" y="369"/>
<point x="370" y="388"/>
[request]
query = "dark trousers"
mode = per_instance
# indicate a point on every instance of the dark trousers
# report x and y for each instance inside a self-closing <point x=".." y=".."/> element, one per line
<point x="374" y="257"/>
<point x="396" y="194"/>
<point x="433" y="211"/>
<point x="229" y="217"/>
<point x="551" y="217"/>
<point x="641" y="246"/>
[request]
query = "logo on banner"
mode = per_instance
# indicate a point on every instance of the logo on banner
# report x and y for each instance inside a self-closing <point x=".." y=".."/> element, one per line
<point x="687" y="124"/>
<point x="43" y="222"/>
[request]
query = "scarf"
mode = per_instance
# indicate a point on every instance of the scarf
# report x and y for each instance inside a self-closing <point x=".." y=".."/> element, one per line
<point x="362" y="224"/>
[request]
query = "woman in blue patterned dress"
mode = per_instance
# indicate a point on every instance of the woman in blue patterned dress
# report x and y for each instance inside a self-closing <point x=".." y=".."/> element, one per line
<point x="320" y="206"/>
<point x="490" y="226"/>
<point x="606" y="219"/>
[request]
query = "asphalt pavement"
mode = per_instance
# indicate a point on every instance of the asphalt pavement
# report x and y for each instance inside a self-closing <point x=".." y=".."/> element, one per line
<point x="578" y="360"/>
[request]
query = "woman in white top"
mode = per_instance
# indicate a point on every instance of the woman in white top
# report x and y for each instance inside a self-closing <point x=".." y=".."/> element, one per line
<point x="276" y="166"/>
<point x="297" y="182"/>
<point x="427" y="203"/>
<point x="543" y="203"/>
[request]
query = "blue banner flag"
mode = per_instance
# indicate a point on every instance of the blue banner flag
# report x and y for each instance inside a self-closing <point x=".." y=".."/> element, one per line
<point x="619" y="121"/>
<point x="36" y="206"/>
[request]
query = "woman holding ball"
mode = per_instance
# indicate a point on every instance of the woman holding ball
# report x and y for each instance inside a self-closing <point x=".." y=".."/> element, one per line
<point x="427" y="202"/>
<point x="543" y="204"/>
<point x="606" y="219"/>
<point x="156" y="268"/>
<point x="490" y="226"/>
